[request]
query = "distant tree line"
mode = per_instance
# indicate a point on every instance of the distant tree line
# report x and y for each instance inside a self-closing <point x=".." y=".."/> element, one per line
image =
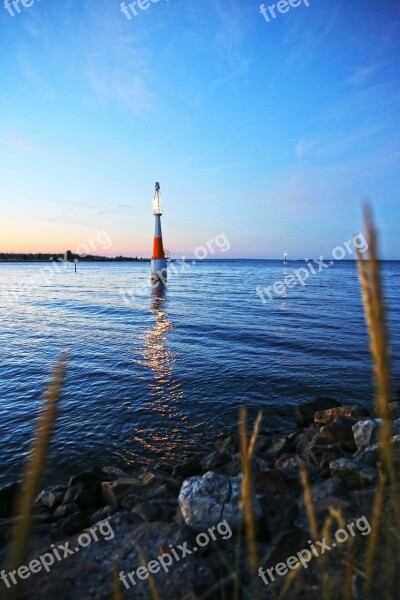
<point x="69" y="256"/>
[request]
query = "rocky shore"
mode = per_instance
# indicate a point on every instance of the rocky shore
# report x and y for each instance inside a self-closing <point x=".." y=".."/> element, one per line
<point x="153" y="508"/>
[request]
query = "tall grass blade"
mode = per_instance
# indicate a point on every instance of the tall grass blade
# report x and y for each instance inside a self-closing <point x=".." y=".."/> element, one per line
<point x="34" y="470"/>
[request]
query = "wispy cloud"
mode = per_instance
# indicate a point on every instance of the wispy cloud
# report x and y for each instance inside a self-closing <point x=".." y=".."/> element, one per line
<point x="15" y="140"/>
<point x="361" y="75"/>
<point x="229" y="41"/>
<point x="332" y="144"/>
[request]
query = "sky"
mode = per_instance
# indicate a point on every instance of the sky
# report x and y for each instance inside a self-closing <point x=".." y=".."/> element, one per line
<point x="273" y="133"/>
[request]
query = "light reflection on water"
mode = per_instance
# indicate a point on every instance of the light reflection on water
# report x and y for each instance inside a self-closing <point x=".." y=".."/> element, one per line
<point x="164" y="391"/>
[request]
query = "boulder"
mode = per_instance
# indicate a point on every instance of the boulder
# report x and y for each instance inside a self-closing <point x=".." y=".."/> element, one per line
<point x="354" y="472"/>
<point x="305" y="437"/>
<point x="211" y="498"/>
<point x="287" y="461"/>
<point x="278" y="446"/>
<point x="65" y="510"/>
<point x="188" y="468"/>
<point x="326" y="416"/>
<point x="72" y="524"/>
<point x="157" y="510"/>
<point x="394" y="409"/>
<point x="322" y="510"/>
<point x="334" y="486"/>
<point x="114" y="472"/>
<point x="320" y="452"/>
<point x="51" y="498"/>
<point x="228" y="444"/>
<point x="275" y="494"/>
<point x="233" y="468"/>
<point x="114" y="491"/>
<point x="85" y="496"/>
<point x="8" y="497"/>
<point x="366" y="432"/>
<point x="215" y="460"/>
<point x="340" y="432"/>
<point x="372" y="455"/>
<point x="102" y="514"/>
<point x="305" y="412"/>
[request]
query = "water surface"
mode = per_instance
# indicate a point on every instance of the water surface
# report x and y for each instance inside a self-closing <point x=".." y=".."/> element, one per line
<point x="168" y="371"/>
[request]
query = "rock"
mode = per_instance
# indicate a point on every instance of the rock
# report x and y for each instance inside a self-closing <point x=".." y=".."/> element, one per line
<point x="366" y="432"/>
<point x="211" y="498"/>
<point x="287" y="461"/>
<point x="188" y="468"/>
<point x="326" y="416"/>
<point x="394" y="409"/>
<point x="275" y="495"/>
<point x="333" y="486"/>
<point x="320" y="452"/>
<point x="157" y="510"/>
<point x="85" y="488"/>
<point x="228" y="444"/>
<point x="354" y="472"/>
<point x="85" y="495"/>
<point x="232" y="468"/>
<point x="340" y="432"/>
<point x="72" y="524"/>
<point x="51" y="498"/>
<point x="372" y="455"/>
<point x="65" y="510"/>
<point x="305" y="412"/>
<point x="305" y="437"/>
<point x="156" y="477"/>
<point x="277" y="447"/>
<point x="8" y="497"/>
<point x="114" y="491"/>
<point x="102" y="514"/>
<point x="322" y="511"/>
<point x="114" y="472"/>
<point x="88" y="574"/>
<point x="215" y="460"/>
<point x="285" y="544"/>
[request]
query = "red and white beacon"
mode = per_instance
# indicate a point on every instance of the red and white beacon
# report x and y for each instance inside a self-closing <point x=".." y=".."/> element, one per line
<point x="159" y="258"/>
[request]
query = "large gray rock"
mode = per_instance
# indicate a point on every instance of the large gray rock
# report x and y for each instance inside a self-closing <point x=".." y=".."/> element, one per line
<point x="372" y="455"/>
<point x="212" y="498"/>
<point x="355" y="473"/>
<point x="366" y="432"/>
<point x="51" y="498"/>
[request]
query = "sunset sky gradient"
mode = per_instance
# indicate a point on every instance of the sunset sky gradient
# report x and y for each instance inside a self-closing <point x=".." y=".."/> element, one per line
<point x="272" y="133"/>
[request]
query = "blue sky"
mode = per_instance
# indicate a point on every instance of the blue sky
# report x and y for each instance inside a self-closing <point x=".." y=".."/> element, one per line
<point x="272" y="133"/>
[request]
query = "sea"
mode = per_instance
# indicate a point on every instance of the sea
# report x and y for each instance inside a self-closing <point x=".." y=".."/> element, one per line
<point x="160" y="372"/>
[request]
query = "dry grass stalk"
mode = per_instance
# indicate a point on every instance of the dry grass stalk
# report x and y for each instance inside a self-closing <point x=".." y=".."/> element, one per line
<point x="117" y="591"/>
<point x="349" y="570"/>
<point x="374" y="535"/>
<point x="309" y="502"/>
<point x="151" y="580"/>
<point x="247" y="502"/>
<point x="375" y="316"/>
<point x="34" y="469"/>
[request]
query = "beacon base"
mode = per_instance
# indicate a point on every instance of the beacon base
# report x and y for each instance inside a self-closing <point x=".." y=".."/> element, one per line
<point x="158" y="269"/>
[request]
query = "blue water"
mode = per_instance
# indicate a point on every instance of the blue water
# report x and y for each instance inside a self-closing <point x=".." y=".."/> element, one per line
<point x="164" y="373"/>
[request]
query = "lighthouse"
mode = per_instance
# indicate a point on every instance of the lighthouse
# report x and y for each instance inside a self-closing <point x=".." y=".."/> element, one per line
<point x="159" y="258"/>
